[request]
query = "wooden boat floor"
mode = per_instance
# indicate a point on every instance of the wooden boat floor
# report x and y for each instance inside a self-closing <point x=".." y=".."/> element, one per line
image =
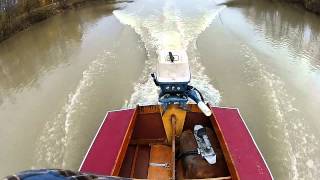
<point x="160" y="154"/>
<point x="136" y="162"/>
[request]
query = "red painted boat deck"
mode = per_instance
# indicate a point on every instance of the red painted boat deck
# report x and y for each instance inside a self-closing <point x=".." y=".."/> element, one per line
<point x="105" y="148"/>
<point x="244" y="155"/>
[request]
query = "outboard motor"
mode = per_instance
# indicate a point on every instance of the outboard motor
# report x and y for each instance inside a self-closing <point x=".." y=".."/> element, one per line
<point x="173" y="77"/>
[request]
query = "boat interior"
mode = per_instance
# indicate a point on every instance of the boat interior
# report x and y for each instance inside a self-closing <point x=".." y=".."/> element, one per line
<point x="155" y="143"/>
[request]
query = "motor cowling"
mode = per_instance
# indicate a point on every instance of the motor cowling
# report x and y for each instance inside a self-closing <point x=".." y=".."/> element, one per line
<point x="173" y="77"/>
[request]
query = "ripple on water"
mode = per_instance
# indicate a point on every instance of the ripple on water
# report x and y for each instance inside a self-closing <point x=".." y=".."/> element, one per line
<point x="50" y="150"/>
<point x="293" y="141"/>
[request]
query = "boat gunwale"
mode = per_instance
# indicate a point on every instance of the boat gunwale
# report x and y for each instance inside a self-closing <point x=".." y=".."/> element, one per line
<point x="99" y="129"/>
<point x="225" y="107"/>
<point x="225" y="149"/>
<point x="257" y="147"/>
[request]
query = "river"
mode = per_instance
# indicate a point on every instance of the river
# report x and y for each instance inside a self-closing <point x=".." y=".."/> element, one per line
<point x="60" y="76"/>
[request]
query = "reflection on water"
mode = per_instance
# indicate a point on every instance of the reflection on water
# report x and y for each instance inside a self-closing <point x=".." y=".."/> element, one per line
<point x="58" y="78"/>
<point x="51" y="45"/>
<point x="16" y="72"/>
<point x="299" y="31"/>
<point x="272" y="74"/>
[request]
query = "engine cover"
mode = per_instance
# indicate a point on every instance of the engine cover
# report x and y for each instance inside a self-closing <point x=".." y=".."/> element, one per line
<point x="173" y="70"/>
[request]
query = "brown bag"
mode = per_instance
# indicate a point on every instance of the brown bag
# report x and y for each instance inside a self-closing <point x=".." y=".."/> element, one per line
<point x="197" y="167"/>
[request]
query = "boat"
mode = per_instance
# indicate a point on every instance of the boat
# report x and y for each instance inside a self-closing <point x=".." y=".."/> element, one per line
<point x="146" y="142"/>
<point x="180" y="137"/>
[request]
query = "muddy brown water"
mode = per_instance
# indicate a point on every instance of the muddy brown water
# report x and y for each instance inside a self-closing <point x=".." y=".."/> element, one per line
<point x="59" y="77"/>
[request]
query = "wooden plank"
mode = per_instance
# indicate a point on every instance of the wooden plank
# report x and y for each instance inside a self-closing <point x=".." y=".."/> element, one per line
<point x="154" y="125"/>
<point x="160" y="154"/>
<point x="142" y="162"/>
<point x="133" y="166"/>
<point x="148" y="141"/>
<point x="106" y="151"/>
<point x="242" y="155"/>
<point x="126" y="167"/>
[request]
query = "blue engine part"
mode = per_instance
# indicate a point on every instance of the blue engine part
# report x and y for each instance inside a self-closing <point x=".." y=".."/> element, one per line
<point x="177" y="93"/>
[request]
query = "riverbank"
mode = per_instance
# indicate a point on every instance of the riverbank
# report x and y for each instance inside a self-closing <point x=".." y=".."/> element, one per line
<point x="310" y="5"/>
<point x="17" y="15"/>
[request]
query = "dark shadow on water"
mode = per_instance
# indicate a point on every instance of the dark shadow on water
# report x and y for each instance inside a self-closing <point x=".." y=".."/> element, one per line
<point x="44" y="46"/>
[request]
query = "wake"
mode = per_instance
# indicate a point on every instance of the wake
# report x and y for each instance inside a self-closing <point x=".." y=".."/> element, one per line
<point x="169" y="25"/>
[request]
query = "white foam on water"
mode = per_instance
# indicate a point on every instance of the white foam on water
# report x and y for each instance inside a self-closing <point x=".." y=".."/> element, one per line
<point x="169" y="25"/>
<point x="297" y="143"/>
<point x="50" y="149"/>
